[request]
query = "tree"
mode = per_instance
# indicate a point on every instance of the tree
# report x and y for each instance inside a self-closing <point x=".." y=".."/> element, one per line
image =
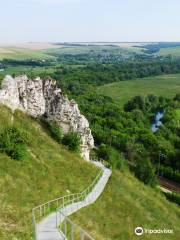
<point x="177" y="97"/>
<point x="72" y="141"/>
<point x="55" y="131"/>
<point x="13" y="143"/>
<point x="136" y="103"/>
<point x="111" y="155"/>
<point x="144" y="171"/>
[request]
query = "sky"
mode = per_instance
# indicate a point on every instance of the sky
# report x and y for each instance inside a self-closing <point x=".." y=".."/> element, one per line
<point x="89" y="20"/>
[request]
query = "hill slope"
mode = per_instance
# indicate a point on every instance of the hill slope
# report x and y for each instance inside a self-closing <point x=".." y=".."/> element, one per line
<point x="48" y="171"/>
<point x="22" y="54"/>
<point x="167" y="85"/>
<point x="126" y="204"/>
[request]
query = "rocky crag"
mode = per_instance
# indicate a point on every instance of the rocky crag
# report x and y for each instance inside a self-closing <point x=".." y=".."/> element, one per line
<point x="42" y="97"/>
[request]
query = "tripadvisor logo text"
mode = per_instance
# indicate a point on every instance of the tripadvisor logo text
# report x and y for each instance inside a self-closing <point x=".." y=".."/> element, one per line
<point x="140" y="231"/>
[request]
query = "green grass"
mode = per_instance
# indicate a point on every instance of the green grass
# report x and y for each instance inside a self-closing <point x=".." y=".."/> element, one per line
<point x="19" y="70"/>
<point x="178" y="113"/>
<point x="165" y="85"/>
<point x="74" y="50"/>
<point x="49" y="171"/>
<point x="27" y="70"/>
<point x="125" y="204"/>
<point x="174" y="52"/>
<point x="22" y="54"/>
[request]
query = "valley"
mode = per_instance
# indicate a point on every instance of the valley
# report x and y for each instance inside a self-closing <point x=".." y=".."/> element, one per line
<point x="118" y="88"/>
<point x="89" y="120"/>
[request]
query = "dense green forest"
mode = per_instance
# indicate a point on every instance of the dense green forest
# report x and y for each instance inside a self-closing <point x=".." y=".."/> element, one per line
<point x="75" y="80"/>
<point x="127" y="132"/>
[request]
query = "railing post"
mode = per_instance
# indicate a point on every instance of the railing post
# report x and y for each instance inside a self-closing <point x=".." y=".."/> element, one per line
<point x="72" y="232"/>
<point x="65" y="226"/>
<point x="82" y="235"/>
<point x="48" y="206"/>
<point x="44" y="209"/>
<point x="63" y="202"/>
<point x="34" y="224"/>
<point x="71" y="205"/>
<point x="40" y="211"/>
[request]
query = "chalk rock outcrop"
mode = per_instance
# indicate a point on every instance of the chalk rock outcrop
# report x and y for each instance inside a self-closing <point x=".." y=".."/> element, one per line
<point x="40" y="97"/>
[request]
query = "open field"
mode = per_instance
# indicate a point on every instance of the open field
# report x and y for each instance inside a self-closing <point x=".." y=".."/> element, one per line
<point x="94" y="48"/>
<point x="38" y="50"/>
<point x="48" y="171"/>
<point x="125" y="204"/>
<point x="26" y="70"/>
<point x="165" y="85"/>
<point x="174" y="52"/>
<point x="30" y="45"/>
<point x="80" y="49"/>
<point x="48" y="51"/>
<point x="22" y="54"/>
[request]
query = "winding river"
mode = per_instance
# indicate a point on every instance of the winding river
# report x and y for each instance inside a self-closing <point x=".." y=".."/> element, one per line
<point x="157" y="122"/>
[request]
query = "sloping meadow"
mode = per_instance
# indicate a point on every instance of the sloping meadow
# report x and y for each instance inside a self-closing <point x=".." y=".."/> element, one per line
<point x="126" y="204"/>
<point x="45" y="170"/>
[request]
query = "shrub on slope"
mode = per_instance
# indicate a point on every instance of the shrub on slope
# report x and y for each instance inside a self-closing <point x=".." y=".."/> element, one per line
<point x="12" y="142"/>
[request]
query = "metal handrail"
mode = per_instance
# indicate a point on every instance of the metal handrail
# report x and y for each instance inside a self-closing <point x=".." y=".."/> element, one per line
<point x="57" y="204"/>
<point x="75" y="228"/>
<point x="66" y="220"/>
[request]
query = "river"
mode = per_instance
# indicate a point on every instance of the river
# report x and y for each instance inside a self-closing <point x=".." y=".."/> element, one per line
<point x="157" y="121"/>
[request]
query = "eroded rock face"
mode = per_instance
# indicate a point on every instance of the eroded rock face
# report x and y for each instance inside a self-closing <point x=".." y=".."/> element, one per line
<point x="39" y="97"/>
<point x="9" y="94"/>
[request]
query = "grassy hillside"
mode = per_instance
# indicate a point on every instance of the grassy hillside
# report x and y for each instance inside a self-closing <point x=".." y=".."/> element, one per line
<point x="125" y="204"/>
<point x="22" y="54"/>
<point x="47" y="172"/>
<point x="166" y="85"/>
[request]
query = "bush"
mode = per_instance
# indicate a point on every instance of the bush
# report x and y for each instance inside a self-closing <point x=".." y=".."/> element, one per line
<point x="144" y="171"/>
<point x="12" y="142"/>
<point x="173" y="197"/>
<point x="169" y="173"/>
<point x="72" y="141"/>
<point x="19" y="152"/>
<point x="55" y="131"/>
<point x="111" y="155"/>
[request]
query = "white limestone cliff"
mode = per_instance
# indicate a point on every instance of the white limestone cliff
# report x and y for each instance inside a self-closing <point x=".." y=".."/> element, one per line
<point x="40" y="97"/>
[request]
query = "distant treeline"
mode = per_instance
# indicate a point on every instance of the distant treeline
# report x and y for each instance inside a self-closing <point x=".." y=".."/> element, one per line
<point x="86" y="44"/>
<point x="173" y="197"/>
<point x="100" y="74"/>
<point x="28" y="62"/>
<point x="155" y="47"/>
<point x="169" y="173"/>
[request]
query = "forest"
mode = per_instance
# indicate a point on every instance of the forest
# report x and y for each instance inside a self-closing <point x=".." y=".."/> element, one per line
<point x="72" y="78"/>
